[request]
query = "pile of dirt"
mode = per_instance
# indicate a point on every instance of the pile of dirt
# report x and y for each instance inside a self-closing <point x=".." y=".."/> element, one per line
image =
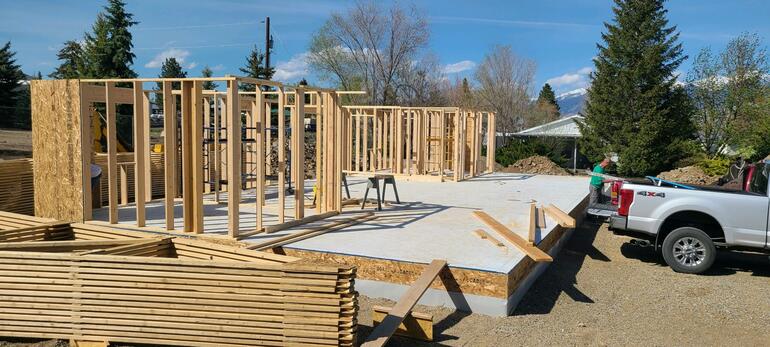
<point x="536" y="165"/>
<point x="689" y="175"/>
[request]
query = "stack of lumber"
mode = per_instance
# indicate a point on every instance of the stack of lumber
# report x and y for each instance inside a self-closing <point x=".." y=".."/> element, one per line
<point x="17" y="186"/>
<point x="156" y="174"/>
<point x="106" y="286"/>
<point x="18" y="228"/>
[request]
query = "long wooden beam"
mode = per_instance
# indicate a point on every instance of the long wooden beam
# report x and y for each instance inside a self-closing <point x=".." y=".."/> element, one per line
<point x="112" y="153"/>
<point x="140" y="149"/>
<point x="382" y="333"/>
<point x="562" y="217"/>
<point x="233" y="159"/>
<point x="169" y="151"/>
<point x="531" y="251"/>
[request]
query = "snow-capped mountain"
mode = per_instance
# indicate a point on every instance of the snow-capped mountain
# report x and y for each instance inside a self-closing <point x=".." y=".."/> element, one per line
<point x="571" y="102"/>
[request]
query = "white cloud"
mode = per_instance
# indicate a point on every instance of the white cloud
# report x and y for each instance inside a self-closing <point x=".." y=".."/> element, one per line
<point x="459" y="66"/>
<point x="571" y="80"/>
<point x="218" y="67"/>
<point x="295" y="68"/>
<point x="180" y="55"/>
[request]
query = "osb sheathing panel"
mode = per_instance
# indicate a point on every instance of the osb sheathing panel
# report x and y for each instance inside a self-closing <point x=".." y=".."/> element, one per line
<point x="56" y="149"/>
<point x="476" y="282"/>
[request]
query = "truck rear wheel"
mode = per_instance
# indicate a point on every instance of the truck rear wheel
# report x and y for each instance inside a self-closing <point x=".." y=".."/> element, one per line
<point x="689" y="250"/>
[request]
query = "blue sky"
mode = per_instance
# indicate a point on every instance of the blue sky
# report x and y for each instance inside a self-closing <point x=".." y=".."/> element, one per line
<point x="560" y="36"/>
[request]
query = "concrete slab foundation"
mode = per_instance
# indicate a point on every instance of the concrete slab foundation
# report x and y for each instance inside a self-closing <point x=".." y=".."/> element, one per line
<point x="433" y="221"/>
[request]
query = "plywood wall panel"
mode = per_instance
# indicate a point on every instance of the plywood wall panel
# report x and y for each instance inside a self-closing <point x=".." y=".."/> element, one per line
<point x="56" y="149"/>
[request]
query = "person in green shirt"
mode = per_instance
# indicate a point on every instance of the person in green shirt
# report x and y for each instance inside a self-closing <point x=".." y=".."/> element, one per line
<point x="595" y="188"/>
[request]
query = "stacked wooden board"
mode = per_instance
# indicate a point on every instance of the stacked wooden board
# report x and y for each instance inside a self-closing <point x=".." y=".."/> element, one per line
<point x="187" y="292"/>
<point x="127" y="159"/>
<point x="17" y="186"/>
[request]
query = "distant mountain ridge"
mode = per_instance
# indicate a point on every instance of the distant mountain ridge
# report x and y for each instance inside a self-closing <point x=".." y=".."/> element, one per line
<point x="572" y="102"/>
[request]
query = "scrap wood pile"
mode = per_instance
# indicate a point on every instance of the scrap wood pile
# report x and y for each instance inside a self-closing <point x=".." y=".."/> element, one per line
<point x="689" y="175"/>
<point x="97" y="285"/>
<point x="536" y="165"/>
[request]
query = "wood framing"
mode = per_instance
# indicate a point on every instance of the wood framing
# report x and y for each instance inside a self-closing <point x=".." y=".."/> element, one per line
<point x="419" y="141"/>
<point x="212" y="142"/>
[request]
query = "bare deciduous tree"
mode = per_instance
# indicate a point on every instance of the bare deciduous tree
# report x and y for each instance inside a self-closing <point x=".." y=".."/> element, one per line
<point x="504" y="84"/>
<point x="729" y="92"/>
<point x="370" y="47"/>
<point x="421" y="83"/>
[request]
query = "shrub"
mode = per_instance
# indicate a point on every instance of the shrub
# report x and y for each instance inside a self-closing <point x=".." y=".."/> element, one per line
<point x="518" y="149"/>
<point x="714" y="167"/>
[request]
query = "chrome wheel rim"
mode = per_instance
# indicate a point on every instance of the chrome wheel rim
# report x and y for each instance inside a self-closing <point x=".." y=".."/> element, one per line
<point x="689" y="251"/>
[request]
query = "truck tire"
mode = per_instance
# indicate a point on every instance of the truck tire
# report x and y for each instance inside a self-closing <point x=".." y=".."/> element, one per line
<point x="689" y="250"/>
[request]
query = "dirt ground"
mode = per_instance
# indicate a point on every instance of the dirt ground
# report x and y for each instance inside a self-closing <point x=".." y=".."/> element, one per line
<point x="15" y="144"/>
<point x="601" y="290"/>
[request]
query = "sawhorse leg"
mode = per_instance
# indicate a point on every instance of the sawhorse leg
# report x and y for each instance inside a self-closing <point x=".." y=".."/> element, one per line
<point x="391" y="181"/>
<point x="345" y="183"/>
<point x="373" y="182"/>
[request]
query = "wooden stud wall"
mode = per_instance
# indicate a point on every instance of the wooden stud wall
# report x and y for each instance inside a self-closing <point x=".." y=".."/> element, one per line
<point x="442" y="142"/>
<point x="188" y="168"/>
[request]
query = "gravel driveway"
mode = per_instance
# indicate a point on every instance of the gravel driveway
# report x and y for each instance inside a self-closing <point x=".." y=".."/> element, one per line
<point x="601" y="290"/>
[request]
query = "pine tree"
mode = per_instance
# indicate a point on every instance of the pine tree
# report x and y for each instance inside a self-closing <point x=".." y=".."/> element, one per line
<point x="170" y="69"/>
<point x="71" y="57"/>
<point x="255" y="68"/>
<point x="208" y="85"/>
<point x="96" y="50"/>
<point x="547" y="96"/>
<point x="634" y="108"/>
<point x="107" y="49"/>
<point x="120" y="45"/>
<point x="10" y="92"/>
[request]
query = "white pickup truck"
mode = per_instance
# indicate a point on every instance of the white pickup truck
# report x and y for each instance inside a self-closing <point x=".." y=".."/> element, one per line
<point x="688" y="223"/>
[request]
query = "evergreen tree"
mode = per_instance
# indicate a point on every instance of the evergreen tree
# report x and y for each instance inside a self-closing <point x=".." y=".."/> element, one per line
<point x="71" y="57"/>
<point x="547" y="96"/>
<point x="255" y="68"/>
<point x="96" y="50"/>
<point x="120" y="45"/>
<point x="107" y="49"/>
<point x="634" y="108"/>
<point x="10" y="91"/>
<point x="208" y="85"/>
<point x="170" y="69"/>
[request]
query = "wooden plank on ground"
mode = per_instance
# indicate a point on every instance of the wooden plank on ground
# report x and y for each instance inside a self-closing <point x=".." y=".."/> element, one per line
<point x="532" y="251"/>
<point x="312" y="232"/>
<point x="382" y="333"/>
<point x="532" y="224"/>
<point x="562" y="217"/>
<point x="485" y="236"/>
<point x="416" y="325"/>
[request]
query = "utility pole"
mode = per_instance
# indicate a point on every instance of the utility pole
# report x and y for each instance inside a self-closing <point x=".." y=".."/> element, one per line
<point x="268" y="43"/>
